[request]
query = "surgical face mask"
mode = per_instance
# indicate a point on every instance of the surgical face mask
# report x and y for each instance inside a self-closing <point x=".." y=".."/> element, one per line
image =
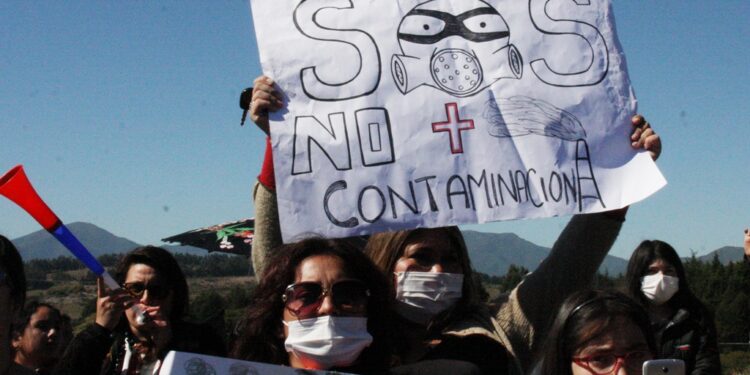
<point x="659" y="288"/>
<point x="327" y="341"/>
<point x="422" y="295"/>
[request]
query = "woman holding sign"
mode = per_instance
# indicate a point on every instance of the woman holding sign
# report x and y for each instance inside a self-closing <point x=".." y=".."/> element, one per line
<point x="439" y="315"/>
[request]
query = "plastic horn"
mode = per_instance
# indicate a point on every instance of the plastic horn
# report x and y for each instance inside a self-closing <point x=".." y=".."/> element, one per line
<point x="15" y="186"/>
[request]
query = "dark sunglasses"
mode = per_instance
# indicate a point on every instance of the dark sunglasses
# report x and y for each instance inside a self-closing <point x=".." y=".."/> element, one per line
<point x="303" y="300"/>
<point x="155" y="291"/>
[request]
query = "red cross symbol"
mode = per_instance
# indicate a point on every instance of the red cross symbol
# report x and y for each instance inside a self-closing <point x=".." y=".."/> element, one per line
<point x="453" y="127"/>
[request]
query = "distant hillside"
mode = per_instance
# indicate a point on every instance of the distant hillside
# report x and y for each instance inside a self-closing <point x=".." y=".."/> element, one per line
<point x="42" y="245"/>
<point x="493" y="253"/>
<point x="726" y="254"/>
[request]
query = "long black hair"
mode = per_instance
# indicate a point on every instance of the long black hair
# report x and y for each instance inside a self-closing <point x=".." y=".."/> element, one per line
<point x="648" y="252"/>
<point x="167" y="269"/>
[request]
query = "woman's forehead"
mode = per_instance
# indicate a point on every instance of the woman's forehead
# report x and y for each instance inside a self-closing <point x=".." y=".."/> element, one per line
<point x="620" y="334"/>
<point x="324" y="269"/>
<point x="138" y="271"/>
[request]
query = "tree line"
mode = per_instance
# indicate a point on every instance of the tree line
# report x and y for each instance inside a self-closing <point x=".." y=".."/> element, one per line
<point x="212" y="265"/>
<point x="723" y="288"/>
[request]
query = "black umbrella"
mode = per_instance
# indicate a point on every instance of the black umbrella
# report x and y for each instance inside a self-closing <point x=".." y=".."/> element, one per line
<point x="235" y="237"/>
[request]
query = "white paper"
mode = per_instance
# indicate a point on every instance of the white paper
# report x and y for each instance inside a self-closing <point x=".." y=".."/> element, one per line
<point x="182" y="363"/>
<point x="403" y="114"/>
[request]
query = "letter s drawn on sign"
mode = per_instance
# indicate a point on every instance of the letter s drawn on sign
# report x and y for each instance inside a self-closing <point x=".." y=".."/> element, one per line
<point x="597" y="67"/>
<point x="367" y="78"/>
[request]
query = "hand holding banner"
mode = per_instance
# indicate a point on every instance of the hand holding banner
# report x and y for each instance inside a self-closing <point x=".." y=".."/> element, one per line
<point x="404" y="114"/>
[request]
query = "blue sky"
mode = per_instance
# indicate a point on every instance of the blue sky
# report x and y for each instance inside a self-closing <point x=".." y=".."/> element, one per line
<point x="125" y="115"/>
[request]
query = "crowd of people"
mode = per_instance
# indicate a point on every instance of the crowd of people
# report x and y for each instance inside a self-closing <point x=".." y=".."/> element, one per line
<point x="402" y="302"/>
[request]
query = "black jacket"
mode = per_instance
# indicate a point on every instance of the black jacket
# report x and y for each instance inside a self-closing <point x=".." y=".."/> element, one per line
<point x="96" y="350"/>
<point x="691" y="339"/>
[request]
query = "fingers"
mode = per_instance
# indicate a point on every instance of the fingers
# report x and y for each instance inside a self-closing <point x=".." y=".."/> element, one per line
<point x="99" y="287"/>
<point x="155" y="316"/>
<point x="645" y="137"/>
<point x="265" y="98"/>
<point x="122" y="301"/>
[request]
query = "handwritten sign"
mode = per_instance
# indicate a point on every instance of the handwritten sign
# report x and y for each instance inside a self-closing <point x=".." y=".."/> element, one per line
<point x="181" y="363"/>
<point x="402" y="114"/>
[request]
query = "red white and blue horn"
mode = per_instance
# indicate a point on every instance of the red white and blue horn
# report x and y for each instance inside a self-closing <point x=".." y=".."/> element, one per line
<point x="15" y="186"/>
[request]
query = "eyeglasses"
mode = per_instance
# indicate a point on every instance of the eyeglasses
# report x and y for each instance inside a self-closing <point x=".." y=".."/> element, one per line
<point x="303" y="300"/>
<point x="155" y="291"/>
<point x="606" y="364"/>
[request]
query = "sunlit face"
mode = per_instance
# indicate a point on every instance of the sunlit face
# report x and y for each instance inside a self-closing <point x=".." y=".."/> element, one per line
<point x="622" y="338"/>
<point x="37" y="344"/>
<point x="429" y="251"/>
<point x="660" y="265"/>
<point x="325" y="270"/>
<point x="147" y="276"/>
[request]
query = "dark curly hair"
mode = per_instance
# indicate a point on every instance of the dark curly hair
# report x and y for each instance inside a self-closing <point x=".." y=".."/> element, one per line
<point x="262" y="336"/>
<point x="166" y="268"/>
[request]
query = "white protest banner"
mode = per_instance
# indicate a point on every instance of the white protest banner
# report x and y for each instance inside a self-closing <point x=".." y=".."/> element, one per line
<point x="182" y="363"/>
<point x="402" y="114"/>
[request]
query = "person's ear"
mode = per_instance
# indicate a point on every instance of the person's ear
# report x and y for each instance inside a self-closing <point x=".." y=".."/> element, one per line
<point x="15" y="340"/>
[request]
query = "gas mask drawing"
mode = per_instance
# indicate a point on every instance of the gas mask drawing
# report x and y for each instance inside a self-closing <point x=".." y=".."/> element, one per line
<point x="460" y="49"/>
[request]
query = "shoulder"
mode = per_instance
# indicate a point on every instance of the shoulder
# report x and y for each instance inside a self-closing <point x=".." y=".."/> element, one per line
<point x="478" y="322"/>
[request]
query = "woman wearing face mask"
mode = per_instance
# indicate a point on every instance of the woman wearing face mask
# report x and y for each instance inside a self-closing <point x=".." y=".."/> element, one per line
<point x="439" y="315"/>
<point x="683" y="326"/>
<point x="320" y="304"/>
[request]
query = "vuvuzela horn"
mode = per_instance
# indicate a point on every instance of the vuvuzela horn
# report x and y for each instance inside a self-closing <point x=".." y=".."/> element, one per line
<point x="15" y="186"/>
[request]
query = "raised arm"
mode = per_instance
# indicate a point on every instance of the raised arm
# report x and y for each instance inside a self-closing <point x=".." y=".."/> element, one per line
<point x="267" y="235"/>
<point x="571" y="265"/>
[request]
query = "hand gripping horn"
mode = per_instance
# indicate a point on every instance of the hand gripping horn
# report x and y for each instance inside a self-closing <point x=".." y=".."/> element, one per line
<point x="15" y="186"/>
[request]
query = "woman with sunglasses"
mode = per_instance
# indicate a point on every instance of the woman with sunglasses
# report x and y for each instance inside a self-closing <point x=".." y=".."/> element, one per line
<point x="597" y="333"/>
<point x="120" y="341"/>
<point x="320" y="304"/>
<point x="684" y="328"/>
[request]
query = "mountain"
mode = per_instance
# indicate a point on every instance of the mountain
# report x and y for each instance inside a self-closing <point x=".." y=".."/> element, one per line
<point x="726" y="254"/>
<point x="493" y="253"/>
<point x="42" y="245"/>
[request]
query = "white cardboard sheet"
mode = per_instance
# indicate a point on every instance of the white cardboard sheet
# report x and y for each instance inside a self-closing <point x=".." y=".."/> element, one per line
<point x="402" y="114"/>
<point x="182" y="363"/>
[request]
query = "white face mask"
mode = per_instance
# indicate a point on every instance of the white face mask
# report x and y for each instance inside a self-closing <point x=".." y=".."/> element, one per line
<point x="422" y="295"/>
<point x="659" y="288"/>
<point x="327" y="341"/>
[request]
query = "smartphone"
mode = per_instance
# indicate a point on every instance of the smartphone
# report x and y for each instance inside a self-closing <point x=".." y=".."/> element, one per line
<point x="664" y="366"/>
